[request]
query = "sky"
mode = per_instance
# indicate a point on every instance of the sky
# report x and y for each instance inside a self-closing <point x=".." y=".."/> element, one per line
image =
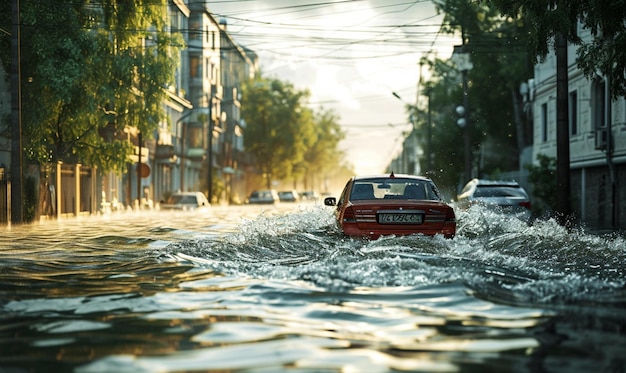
<point x="351" y="55"/>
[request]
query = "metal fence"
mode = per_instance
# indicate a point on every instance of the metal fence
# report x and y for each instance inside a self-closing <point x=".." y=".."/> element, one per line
<point x="74" y="190"/>
<point x="62" y="190"/>
<point x="5" y="202"/>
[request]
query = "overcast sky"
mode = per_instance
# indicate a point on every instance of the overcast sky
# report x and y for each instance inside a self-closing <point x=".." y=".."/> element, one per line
<point x="351" y="55"/>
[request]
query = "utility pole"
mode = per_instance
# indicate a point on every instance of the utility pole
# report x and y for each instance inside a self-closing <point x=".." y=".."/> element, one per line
<point x="563" y="199"/>
<point x="17" y="200"/>
<point x="139" y="169"/>
<point x="463" y="63"/>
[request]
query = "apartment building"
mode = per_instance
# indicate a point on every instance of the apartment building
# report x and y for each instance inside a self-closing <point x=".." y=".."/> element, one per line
<point x="200" y="148"/>
<point x="597" y="132"/>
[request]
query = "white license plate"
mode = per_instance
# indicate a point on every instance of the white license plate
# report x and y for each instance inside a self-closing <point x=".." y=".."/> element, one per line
<point x="400" y="218"/>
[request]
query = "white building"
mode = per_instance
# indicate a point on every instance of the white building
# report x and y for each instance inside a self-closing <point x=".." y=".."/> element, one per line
<point x="597" y="130"/>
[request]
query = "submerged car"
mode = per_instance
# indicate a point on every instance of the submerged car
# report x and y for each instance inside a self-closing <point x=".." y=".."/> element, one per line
<point x="309" y="195"/>
<point x="505" y="196"/>
<point x="186" y="201"/>
<point x="372" y="206"/>
<point x="288" y="196"/>
<point x="268" y="196"/>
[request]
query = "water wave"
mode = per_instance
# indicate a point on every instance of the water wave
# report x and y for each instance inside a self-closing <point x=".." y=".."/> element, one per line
<point x="492" y="253"/>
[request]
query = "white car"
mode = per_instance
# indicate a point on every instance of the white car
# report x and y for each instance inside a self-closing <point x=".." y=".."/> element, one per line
<point x="268" y="196"/>
<point x="186" y="201"/>
<point x="504" y="196"/>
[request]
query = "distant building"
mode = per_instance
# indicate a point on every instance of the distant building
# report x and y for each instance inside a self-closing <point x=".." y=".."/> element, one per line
<point x="167" y="174"/>
<point x="237" y="65"/>
<point x="200" y="145"/>
<point x="597" y="129"/>
<point x="5" y="126"/>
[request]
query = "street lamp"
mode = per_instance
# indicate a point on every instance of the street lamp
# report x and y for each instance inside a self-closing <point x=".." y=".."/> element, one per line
<point x="461" y="58"/>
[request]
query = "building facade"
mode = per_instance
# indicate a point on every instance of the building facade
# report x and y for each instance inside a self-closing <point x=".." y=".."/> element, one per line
<point x="237" y="65"/>
<point x="597" y="133"/>
<point x="200" y="148"/>
<point x="167" y="174"/>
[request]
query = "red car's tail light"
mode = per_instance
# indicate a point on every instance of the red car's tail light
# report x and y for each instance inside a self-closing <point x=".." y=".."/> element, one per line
<point x="450" y="217"/>
<point x="348" y="215"/>
<point x="525" y="204"/>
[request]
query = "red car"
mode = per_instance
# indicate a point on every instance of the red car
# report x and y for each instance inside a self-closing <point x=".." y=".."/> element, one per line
<point x="371" y="206"/>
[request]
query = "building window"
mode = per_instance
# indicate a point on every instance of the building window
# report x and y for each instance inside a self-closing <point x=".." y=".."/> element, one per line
<point x="194" y="67"/>
<point x="544" y="122"/>
<point x="195" y="138"/>
<point x="599" y="104"/>
<point x="573" y="113"/>
<point x="194" y="30"/>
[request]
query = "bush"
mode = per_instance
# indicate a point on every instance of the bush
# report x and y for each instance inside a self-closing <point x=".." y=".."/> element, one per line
<point x="543" y="179"/>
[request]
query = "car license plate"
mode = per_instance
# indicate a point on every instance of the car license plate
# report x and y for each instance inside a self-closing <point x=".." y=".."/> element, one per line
<point x="400" y="218"/>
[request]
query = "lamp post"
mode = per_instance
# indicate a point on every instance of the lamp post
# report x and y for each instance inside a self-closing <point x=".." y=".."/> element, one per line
<point x="429" y="140"/>
<point x="461" y="59"/>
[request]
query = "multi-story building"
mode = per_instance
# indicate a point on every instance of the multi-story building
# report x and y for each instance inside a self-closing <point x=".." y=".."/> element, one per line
<point x="200" y="146"/>
<point x="201" y="128"/>
<point x="597" y="131"/>
<point x="163" y="172"/>
<point x="168" y="172"/>
<point x="237" y="65"/>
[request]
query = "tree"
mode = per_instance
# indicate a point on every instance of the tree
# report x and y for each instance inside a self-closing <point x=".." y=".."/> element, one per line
<point x="446" y="153"/>
<point x="322" y="155"/>
<point x="91" y="70"/>
<point x="287" y="139"/>
<point x="541" y="176"/>
<point x="557" y="24"/>
<point x="605" y="53"/>
<point x="277" y="126"/>
<point x="501" y="62"/>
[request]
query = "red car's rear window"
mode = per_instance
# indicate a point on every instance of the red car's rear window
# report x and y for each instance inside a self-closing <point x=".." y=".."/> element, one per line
<point x="373" y="189"/>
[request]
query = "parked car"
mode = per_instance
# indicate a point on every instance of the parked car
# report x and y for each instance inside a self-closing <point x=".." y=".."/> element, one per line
<point x="186" y="201"/>
<point x="371" y="206"/>
<point x="268" y="196"/>
<point x="309" y="195"/>
<point x="288" y="196"/>
<point x="505" y="196"/>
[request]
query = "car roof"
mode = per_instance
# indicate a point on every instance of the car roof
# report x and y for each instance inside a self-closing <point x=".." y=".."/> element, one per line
<point x="496" y="182"/>
<point x="390" y="176"/>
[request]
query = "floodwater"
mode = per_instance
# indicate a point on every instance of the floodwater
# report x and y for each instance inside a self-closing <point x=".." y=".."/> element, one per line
<point x="258" y="289"/>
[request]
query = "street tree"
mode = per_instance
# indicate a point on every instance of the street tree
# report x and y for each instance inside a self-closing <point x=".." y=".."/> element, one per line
<point x="604" y="53"/>
<point x="288" y="140"/>
<point x="92" y="70"/>
<point x="497" y="49"/>
<point x="278" y="126"/>
<point x="445" y="135"/>
<point x="555" y="24"/>
<point x="322" y="156"/>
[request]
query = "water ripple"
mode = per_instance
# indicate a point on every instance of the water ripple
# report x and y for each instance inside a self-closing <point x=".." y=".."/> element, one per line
<point x="280" y="289"/>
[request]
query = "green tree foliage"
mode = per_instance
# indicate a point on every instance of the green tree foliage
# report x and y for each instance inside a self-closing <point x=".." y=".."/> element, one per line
<point x="287" y="140"/>
<point x="92" y="71"/>
<point x="543" y="179"/>
<point x="275" y="117"/>
<point x="446" y="136"/>
<point x="322" y="155"/>
<point x="497" y="49"/>
<point x="605" y="53"/>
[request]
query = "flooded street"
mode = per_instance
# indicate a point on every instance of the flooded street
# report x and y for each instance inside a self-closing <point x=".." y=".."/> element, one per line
<point x="258" y="289"/>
